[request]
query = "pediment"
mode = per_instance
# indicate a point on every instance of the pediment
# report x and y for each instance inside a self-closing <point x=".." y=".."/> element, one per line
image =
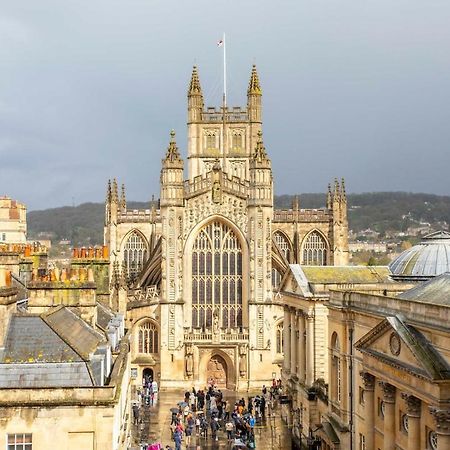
<point x="402" y="346"/>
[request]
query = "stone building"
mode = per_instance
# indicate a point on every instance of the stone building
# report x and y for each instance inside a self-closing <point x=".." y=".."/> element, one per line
<point x="195" y="272"/>
<point x="59" y="372"/>
<point x="13" y="221"/>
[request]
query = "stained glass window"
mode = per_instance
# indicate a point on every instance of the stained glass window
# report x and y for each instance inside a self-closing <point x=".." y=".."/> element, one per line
<point x="219" y="281"/>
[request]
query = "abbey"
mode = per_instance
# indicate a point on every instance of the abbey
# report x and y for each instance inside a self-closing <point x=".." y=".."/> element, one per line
<point x="195" y="273"/>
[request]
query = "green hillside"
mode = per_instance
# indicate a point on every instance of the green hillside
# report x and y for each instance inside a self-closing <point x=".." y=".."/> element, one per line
<point x="380" y="211"/>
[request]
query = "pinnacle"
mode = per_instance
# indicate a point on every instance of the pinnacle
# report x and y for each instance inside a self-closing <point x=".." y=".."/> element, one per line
<point x="172" y="150"/>
<point x="254" y="86"/>
<point x="260" y="151"/>
<point x="194" y="86"/>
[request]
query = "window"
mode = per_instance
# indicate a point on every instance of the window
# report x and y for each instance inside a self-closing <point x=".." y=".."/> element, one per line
<point x="362" y="442"/>
<point x="19" y="442"/>
<point x="276" y="278"/>
<point x="148" y="338"/>
<point x="4" y="237"/>
<point x="236" y="140"/>
<point x="433" y="440"/>
<point x="336" y="392"/>
<point x="404" y="422"/>
<point x="216" y="277"/>
<point x="211" y="140"/>
<point x="279" y="331"/>
<point x="134" y="255"/>
<point x="315" y="250"/>
<point x="283" y="244"/>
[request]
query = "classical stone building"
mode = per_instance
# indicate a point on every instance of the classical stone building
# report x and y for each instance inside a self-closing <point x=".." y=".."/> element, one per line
<point x="202" y="262"/>
<point x="13" y="221"/>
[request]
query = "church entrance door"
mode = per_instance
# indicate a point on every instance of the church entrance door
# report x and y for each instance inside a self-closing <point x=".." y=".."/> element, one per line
<point x="148" y="374"/>
<point x="217" y="371"/>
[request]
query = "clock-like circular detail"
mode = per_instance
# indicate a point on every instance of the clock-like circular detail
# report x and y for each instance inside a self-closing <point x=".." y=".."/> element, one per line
<point x="395" y="344"/>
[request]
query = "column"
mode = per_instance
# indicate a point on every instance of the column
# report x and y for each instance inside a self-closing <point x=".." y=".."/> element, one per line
<point x="389" y="415"/>
<point x="369" y="408"/>
<point x="413" y="412"/>
<point x="309" y="349"/>
<point x="442" y="419"/>
<point x="287" y="341"/>
<point x="293" y="342"/>
<point x="301" y="348"/>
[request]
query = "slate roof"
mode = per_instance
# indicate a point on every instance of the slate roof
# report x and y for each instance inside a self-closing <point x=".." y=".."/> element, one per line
<point x="41" y="375"/>
<point x="436" y="290"/>
<point x="344" y="274"/>
<point x="73" y="330"/>
<point x="104" y="315"/>
<point x="30" y="339"/>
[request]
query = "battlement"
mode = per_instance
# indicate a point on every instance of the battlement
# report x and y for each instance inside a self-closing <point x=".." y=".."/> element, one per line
<point x="90" y="253"/>
<point x="233" y="114"/>
<point x="301" y="215"/>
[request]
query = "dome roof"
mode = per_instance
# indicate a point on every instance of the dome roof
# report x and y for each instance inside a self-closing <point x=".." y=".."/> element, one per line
<point x="425" y="260"/>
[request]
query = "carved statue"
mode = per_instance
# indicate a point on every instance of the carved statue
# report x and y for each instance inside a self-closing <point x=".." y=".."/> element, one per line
<point x="216" y="192"/>
<point x="216" y="321"/>
<point x="189" y="360"/>
<point x="243" y="360"/>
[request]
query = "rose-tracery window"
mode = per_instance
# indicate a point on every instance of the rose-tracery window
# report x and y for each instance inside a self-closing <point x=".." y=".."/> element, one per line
<point x="134" y="254"/>
<point x="216" y="277"/>
<point x="148" y="338"/>
<point x="315" y="250"/>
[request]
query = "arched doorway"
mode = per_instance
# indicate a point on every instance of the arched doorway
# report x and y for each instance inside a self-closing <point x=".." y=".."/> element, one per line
<point x="147" y="374"/>
<point x="216" y="371"/>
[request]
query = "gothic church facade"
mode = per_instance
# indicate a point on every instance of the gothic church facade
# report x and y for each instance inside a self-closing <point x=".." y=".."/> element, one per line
<point x="196" y="273"/>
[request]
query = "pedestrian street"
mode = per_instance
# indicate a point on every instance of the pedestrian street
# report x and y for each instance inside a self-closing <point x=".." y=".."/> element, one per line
<point x="154" y="427"/>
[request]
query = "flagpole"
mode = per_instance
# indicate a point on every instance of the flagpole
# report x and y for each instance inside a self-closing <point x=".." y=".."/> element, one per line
<point x="224" y="71"/>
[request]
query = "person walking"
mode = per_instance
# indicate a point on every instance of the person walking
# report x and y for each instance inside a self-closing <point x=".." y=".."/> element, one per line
<point x="177" y="438"/>
<point x="229" y="427"/>
<point x="214" y="428"/>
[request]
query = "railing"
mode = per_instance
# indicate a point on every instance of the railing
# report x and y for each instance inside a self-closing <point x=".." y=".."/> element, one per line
<point x="146" y="294"/>
<point x="228" y="335"/>
<point x="137" y="215"/>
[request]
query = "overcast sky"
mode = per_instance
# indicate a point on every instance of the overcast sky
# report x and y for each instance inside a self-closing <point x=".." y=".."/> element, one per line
<point x="90" y="90"/>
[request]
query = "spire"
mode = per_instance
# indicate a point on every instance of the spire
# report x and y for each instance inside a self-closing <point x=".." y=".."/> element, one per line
<point x="254" y="87"/>
<point x="123" y="200"/>
<point x="172" y="154"/>
<point x="295" y="203"/>
<point x="337" y="191"/>
<point x="108" y="192"/>
<point x="260" y="151"/>
<point x="194" y="85"/>
<point x="329" y="197"/>
<point x="343" y="193"/>
<point x="115" y="193"/>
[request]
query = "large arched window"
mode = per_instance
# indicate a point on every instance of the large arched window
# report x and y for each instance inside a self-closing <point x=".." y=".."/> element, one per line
<point x="134" y="254"/>
<point x="216" y="277"/>
<point x="283" y="244"/>
<point x="315" y="250"/>
<point x="336" y="381"/>
<point x="148" y="338"/>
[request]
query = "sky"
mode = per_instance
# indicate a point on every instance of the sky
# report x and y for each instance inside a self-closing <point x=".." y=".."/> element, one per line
<point x="89" y="90"/>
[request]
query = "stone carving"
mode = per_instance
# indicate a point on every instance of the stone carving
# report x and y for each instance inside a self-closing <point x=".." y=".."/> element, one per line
<point x="368" y="380"/>
<point x="412" y="404"/>
<point x="442" y="418"/>
<point x="388" y="391"/>
<point x="189" y="360"/>
<point x="243" y="360"/>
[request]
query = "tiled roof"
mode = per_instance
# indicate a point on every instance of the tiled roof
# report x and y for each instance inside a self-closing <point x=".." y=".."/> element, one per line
<point x="44" y="375"/>
<point x="30" y="339"/>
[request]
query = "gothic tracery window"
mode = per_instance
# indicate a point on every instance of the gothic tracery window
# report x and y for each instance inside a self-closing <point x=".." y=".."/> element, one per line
<point x="216" y="277"/>
<point x="279" y="337"/>
<point x="134" y="254"/>
<point x="283" y="244"/>
<point x="315" y="250"/>
<point x="148" y="338"/>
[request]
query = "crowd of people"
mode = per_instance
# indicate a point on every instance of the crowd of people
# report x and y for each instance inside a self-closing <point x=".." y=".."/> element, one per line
<point x="208" y="416"/>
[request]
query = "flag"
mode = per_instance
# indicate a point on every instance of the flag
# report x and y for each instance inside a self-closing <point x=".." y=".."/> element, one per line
<point x="220" y="43"/>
